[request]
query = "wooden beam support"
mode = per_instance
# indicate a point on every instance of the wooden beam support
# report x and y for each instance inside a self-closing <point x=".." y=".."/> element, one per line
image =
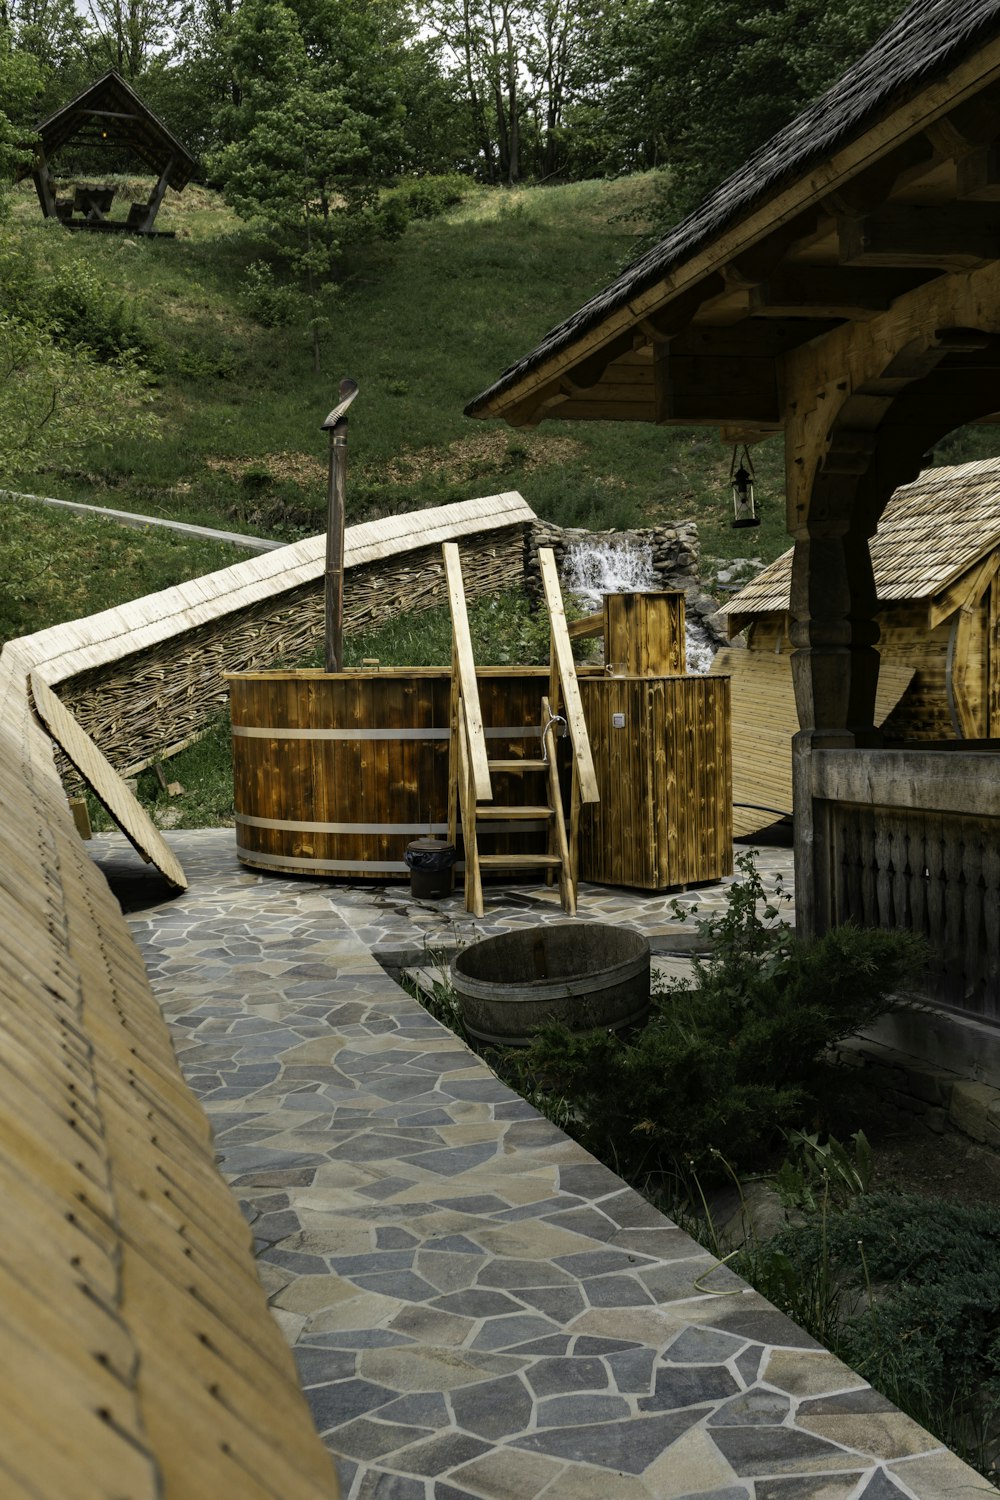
<point x="955" y="237"/>
<point x="872" y="187"/>
<point x="806" y="291"/>
<point x="717" y="390"/>
<point x="755" y="263"/>
<point x="763" y="338"/>
<point x="674" y="316"/>
<point x="978" y="175"/>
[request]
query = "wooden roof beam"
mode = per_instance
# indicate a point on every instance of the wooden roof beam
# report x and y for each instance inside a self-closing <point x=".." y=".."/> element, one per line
<point x="717" y="390"/>
<point x="955" y="237"/>
<point x="836" y="292"/>
<point x="873" y="186"/>
<point x="767" y="338"/>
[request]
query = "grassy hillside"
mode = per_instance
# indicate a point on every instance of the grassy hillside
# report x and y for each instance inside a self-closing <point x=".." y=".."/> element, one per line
<point x="423" y="324"/>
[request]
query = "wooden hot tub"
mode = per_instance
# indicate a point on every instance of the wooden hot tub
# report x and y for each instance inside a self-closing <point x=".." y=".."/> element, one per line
<point x="335" y="773"/>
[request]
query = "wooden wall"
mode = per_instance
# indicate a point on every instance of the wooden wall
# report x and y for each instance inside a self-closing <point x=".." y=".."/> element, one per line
<point x="140" y="1358"/>
<point x="664" y="768"/>
<point x="922" y="713"/>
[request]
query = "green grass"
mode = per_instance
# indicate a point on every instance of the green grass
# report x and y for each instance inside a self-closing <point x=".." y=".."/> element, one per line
<point x="423" y="324"/>
<point x="59" y="565"/>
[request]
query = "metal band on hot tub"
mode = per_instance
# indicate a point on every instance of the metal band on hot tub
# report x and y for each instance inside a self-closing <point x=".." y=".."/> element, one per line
<point x="256" y="732"/>
<point x="535" y="825"/>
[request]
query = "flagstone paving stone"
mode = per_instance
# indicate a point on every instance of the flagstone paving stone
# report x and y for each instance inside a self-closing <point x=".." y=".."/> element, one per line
<point x="478" y="1309"/>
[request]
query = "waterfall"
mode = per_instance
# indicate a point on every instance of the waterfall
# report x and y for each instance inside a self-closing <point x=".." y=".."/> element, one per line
<point x="618" y="566"/>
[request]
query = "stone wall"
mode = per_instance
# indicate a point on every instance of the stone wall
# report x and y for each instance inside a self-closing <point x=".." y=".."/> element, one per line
<point x="676" y="557"/>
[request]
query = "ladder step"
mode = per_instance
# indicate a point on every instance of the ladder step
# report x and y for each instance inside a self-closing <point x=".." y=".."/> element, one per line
<point x="518" y="765"/>
<point x="502" y="814"/>
<point x="520" y="861"/>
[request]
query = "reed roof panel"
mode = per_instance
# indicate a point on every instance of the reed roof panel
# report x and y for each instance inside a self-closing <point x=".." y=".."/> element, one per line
<point x="931" y="532"/>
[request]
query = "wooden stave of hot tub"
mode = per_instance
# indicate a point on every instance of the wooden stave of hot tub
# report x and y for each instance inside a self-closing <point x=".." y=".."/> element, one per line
<point x="335" y="773"/>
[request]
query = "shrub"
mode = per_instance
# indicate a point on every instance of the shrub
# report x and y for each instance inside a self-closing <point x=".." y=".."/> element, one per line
<point x="916" y="1286"/>
<point x="734" y="1058"/>
<point x="426" y="197"/>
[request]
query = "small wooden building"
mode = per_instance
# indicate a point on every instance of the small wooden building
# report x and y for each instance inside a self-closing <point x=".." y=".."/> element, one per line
<point x="108" y="115"/>
<point x="936" y="559"/>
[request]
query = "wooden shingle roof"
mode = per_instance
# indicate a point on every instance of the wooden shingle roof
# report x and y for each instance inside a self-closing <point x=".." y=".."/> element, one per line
<point x="110" y="112"/>
<point x="931" y="39"/>
<point x="930" y="534"/>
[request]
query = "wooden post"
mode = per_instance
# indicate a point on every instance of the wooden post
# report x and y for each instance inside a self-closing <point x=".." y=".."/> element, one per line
<point x="336" y="425"/>
<point x="153" y="206"/>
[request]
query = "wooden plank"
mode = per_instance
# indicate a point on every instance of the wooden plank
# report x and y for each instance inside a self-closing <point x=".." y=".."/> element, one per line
<point x="478" y="762"/>
<point x="764" y="719"/>
<point x="563" y="656"/>
<point x="130" y="816"/>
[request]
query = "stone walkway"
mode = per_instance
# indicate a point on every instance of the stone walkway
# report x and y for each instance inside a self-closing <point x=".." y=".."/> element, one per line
<point x="480" y="1311"/>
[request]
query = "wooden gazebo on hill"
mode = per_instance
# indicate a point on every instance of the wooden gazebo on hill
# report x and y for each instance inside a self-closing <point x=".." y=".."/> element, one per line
<point x="844" y="288"/>
<point x="109" y="115"/>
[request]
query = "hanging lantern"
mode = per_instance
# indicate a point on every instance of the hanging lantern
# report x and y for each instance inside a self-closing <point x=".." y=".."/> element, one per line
<point x="741" y="478"/>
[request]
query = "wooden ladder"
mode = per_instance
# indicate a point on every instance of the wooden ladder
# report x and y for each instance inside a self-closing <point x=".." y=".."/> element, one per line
<point x="470" y="787"/>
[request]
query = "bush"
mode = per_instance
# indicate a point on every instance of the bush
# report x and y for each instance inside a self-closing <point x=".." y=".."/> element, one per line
<point x="916" y="1284"/>
<point x="426" y="197"/>
<point x="733" y="1059"/>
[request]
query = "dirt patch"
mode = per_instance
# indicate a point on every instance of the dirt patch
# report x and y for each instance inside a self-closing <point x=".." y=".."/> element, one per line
<point x="462" y="461"/>
<point x="484" y="453"/>
<point x="912" y="1159"/>
<point x="284" y="468"/>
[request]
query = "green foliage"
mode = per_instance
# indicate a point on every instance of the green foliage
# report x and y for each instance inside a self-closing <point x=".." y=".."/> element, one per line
<point x="505" y="632"/>
<point x="54" y="401"/>
<point x="734" y="1058"/>
<point x="19" y="84"/>
<point x="914" y="1284"/>
<point x="59" y="565"/>
<point x="703" y="83"/>
<point x="427" y="197"/>
<point x="818" y="1174"/>
<point x="273" y="304"/>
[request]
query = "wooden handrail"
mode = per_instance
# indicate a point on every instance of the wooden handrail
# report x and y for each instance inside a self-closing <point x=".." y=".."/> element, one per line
<point x="563" y="665"/>
<point x="464" y="666"/>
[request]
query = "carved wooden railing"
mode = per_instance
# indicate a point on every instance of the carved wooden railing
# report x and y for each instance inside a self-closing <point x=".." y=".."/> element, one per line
<point x="911" y="839"/>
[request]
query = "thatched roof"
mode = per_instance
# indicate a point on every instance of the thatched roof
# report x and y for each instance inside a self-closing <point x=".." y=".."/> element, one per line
<point x="931" y="38"/>
<point x="931" y="533"/>
<point x="110" y="113"/>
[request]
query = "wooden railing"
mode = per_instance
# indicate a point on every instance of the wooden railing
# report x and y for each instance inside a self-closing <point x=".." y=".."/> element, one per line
<point x="911" y="839"/>
<point x="469" y="780"/>
<point x="564" y="698"/>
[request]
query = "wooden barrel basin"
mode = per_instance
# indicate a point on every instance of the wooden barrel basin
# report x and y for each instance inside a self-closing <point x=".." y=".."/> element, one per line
<point x="335" y="773"/>
<point x="584" y="975"/>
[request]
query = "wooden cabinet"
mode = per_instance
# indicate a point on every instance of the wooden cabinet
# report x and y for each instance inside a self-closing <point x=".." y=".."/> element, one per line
<point x="664" y="767"/>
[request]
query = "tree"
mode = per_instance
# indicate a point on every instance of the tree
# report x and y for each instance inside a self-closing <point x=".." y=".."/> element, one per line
<point x="19" y="85"/>
<point x="54" y="399"/>
<point x="132" y="32"/>
<point x="703" y="83"/>
<point x="318" y="130"/>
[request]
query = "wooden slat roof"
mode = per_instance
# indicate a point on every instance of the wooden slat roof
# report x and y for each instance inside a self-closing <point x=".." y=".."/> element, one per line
<point x="140" y="1356"/>
<point x="112" y="106"/>
<point x="930" y="40"/>
<point x="62" y="651"/>
<point x="931" y="532"/>
<point x="51" y="656"/>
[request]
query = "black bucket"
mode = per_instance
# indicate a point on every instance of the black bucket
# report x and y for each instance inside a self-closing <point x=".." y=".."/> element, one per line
<point x="431" y="863"/>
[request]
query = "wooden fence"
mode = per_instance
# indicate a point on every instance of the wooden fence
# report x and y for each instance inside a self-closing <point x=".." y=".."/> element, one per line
<point x="911" y="839"/>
